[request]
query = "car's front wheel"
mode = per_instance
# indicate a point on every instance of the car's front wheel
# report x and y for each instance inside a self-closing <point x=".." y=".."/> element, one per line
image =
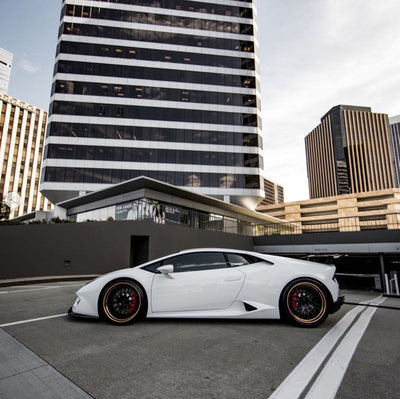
<point x="122" y="301"/>
<point x="305" y="303"/>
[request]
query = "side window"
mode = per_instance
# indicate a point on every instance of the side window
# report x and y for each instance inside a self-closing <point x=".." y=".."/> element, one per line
<point x="153" y="267"/>
<point x="241" y="260"/>
<point x="236" y="260"/>
<point x="197" y="261"/>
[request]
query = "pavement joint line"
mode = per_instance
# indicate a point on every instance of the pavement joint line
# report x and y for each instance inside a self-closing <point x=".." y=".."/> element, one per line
<point x="25" y="371"/>
<point x="33" y="320"/>
<point x="51" y="380"/>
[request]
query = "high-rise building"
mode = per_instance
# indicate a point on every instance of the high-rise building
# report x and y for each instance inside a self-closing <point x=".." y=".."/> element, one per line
<point x="22" y="132"/>
<point x="5" y="70"/>
<point x="395" y="135"/>
<point x="349" y="152"/>
<point x="274" y="193"/>
<point x="166" y="89"/>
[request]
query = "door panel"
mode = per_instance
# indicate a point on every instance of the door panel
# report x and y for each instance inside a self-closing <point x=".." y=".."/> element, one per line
<point x="196" y="290"/>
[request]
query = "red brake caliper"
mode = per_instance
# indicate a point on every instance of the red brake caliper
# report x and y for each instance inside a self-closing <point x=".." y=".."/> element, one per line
<point x="294" y="299"/>
<point x="132" y="304"/>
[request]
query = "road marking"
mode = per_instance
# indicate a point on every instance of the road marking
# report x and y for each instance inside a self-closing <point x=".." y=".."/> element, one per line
<point x="295" y="383"/>
<point x="39" y="289"/>
<point x="32" y="320"/>
<point x="29" y="289"/>
<point x="330" y="378"/>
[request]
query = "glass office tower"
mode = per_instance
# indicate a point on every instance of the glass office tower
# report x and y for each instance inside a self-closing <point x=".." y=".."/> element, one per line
<point x="394" y="123"/>
<point x="349" y="152"/>
<point x="162" y="88"/>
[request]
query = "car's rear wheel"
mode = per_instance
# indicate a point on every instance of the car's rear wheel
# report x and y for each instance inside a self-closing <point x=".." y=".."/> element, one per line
<point x="122" y="301"/>
<point x="305" y="303"/>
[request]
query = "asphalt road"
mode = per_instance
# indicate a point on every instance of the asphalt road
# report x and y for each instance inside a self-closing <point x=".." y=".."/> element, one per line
<point x="354" y="354"/>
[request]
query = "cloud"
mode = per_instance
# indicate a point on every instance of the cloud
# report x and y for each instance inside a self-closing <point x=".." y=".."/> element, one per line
<point x="27" y="66"/>
<point x="314" y="56"/>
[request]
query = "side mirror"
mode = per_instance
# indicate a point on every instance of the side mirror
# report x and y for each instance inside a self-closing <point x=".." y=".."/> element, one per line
<point x="166" y="269"/>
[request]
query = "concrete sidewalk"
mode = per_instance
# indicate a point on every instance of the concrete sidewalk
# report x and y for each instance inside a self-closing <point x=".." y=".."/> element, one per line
<point x="24" y="375"/>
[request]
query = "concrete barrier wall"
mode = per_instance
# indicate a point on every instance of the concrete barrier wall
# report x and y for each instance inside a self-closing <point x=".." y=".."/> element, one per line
<point x="357" y="242"/>
<point x="96" y="247"/>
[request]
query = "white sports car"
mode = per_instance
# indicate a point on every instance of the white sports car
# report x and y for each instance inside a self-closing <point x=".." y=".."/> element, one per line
<point x="214" y="283"/>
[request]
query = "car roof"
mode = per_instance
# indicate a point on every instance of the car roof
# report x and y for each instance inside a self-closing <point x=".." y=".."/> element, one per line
<point x="196" y="250"/>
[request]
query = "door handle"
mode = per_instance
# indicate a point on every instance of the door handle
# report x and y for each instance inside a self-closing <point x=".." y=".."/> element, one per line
<point x="229" y="279"/>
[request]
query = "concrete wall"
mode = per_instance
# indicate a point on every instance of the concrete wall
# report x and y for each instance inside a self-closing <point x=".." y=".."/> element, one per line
<point x="366" y="237"/>
<point x="96" y="247"/>
<point x="373" y="242"/>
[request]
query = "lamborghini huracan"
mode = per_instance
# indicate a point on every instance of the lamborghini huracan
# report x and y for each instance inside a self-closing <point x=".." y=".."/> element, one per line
<point x="214" y="283"/>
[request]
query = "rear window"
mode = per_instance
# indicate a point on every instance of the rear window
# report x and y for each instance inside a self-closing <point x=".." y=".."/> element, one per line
<point x="235" y="259"/>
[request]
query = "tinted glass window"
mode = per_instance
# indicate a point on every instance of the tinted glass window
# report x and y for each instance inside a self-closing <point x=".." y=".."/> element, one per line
<point x="62" y="151"/>
<point x="160" y="37"/>
<point x="153" y="267"/>
<point x="236" y="260"/>
<point x="197" y="261"/>
<point x="156" y="113"/>
<point x="86" y="175"/>
<point x="241" y="260"/>
<point x="253" y="259"/>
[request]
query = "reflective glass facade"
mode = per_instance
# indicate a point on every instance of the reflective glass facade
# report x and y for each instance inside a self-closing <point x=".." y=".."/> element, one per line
<point x="166" y="89"/>
<point x="395" y="144"/>
<point x="349" y="152"/>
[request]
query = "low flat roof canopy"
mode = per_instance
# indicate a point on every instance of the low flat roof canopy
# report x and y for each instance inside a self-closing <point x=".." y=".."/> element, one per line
<point x="142" y="182"/>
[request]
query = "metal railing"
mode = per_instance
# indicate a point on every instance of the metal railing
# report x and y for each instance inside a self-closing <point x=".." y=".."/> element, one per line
<point x="145" y="209"/>
<point x="392" y="284"/>
<point x="346" y="224"/>
<point x="221" y="223"/>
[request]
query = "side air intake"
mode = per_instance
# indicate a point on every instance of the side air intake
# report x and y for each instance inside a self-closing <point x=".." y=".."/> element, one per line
<point x="248" y="307"/>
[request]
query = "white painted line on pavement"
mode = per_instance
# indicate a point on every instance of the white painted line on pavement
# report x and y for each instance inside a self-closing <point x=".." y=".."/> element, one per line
<point x="330" y="378"/>
<point x="32" y="320"/>
<point x="295" y="383"/>
<point x="39" y="289"/>
<point x="28" y="290"/>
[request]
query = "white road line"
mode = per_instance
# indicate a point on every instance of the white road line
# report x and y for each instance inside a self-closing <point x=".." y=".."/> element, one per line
<point x="29" y="289"/>
<point x="330" y="378"/>
<point x="295" y="383"/>
<point x="32" y="320"/>
<point x="39" y="289"/>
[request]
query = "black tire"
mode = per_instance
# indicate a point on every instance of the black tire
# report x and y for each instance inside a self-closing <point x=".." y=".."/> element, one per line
<point x="122" y="302"/>
<point x="305" y="303"/>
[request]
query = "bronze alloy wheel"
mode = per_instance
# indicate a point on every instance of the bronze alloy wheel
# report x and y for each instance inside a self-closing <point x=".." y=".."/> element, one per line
<point x="122" y="302"/>
<point x="306" y="303"/>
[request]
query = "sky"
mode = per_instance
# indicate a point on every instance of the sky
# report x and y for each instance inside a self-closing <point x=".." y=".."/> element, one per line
<point x="313" y="55"/>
